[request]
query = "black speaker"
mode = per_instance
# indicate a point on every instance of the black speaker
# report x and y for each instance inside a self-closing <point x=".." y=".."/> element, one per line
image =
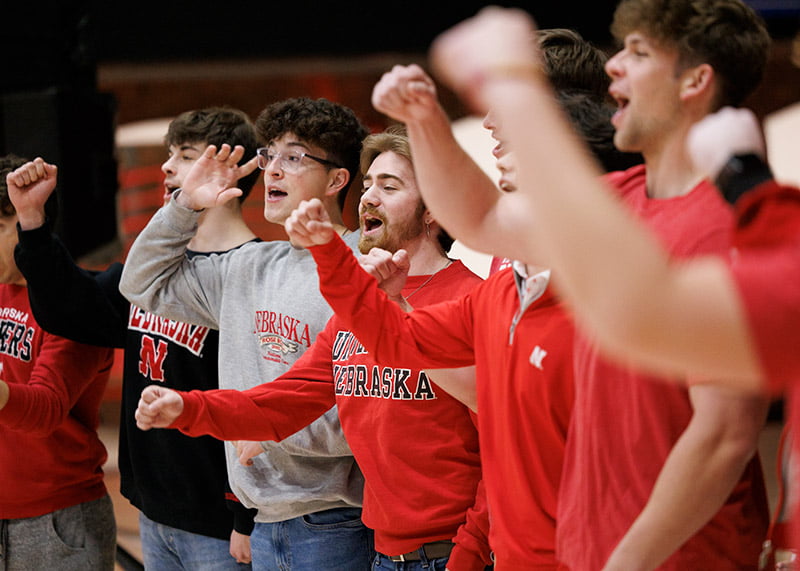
<point x="74" y="129"/>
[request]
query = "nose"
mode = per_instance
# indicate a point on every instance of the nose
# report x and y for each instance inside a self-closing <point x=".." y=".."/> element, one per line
<point x="370" y="196"/>
<point x="488" y="121"/>
<point x="274" y="168"/>
<point x="614" y="65"/>
<point x="167" y="166"/>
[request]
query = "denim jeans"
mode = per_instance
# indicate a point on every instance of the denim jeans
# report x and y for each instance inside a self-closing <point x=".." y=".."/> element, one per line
<point x="334" y="540"/>
<point x="77" y="538"/>
<point x="383" y="563"/>
<point x="166" y="548"/>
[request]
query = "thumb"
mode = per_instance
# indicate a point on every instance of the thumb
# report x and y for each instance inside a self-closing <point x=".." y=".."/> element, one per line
<point x="317" y="210"/>
<point x="228" y="194"/>
<point x="150" y="394"/>
<point x="401" y="259"/>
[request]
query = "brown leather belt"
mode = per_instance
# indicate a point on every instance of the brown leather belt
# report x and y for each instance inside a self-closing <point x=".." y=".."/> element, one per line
<point x="432" y="550"/>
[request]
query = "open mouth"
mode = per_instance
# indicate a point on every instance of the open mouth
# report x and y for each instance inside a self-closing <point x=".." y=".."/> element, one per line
<point x="621" y="101"/>
<point x="498" y="150"/>
<point x="275" y="194"/>
<point x="505" y="185"/>
<point x="370" y="223"/>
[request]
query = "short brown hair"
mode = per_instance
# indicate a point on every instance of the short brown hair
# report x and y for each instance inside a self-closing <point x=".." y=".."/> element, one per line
<point x="395" y="139"/>
<point x="726" y="34"/>
<point x="215" y="126"/>
<point x="573" y="63"/>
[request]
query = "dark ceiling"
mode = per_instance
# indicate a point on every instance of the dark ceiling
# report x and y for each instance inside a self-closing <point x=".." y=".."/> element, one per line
<point x="55" y="42"/>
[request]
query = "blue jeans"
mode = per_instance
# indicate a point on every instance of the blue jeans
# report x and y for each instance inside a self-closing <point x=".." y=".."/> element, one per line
<point x="166" y="548"/>
<point x="383" y="563"/>
<point x="334" y="540"/>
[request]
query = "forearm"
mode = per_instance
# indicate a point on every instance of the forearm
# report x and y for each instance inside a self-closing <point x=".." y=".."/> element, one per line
<point x="697" y="478"/>
<point x="608" y="265"/>
<point x="64" y="373"/>
<point x="68" y="300"/>
<point x="569" y="208"/>
<point x="356" y="299"/>
<point x="158" y="278"/>
<point x="271" y="411"/>
<point x="458" y="383"/>
<point x="470" y="208"/>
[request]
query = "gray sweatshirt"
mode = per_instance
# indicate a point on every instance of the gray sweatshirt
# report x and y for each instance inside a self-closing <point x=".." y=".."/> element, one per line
<point x="264" y="299"/>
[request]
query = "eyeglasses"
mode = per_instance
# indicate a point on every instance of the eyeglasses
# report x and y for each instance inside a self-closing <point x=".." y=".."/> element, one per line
<point x="289" y="161"/>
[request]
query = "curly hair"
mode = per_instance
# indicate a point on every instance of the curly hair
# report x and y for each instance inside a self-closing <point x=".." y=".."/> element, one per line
<point x="8" y="164"/>
<point x="330" y="126"/>
<point x="215" y="126"/>
<point x="727" y="34"/>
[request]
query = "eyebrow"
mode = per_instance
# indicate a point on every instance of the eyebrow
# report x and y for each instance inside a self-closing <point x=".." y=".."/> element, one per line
<point x="187" y="146"/>
<point x="636" y="40"/>
<point x="290" y="145"/>
<point x="383" y="176"/>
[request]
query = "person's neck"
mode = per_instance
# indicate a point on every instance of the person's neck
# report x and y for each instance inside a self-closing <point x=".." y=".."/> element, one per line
<point x="426" y="257"/>
<point x="335" y="215"/>
<point x="670" y="172"/>
<point x="219" y="229"/>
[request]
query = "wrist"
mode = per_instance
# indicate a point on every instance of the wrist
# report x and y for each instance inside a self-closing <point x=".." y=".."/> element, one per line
<point x="526" y="73"/>
<point x="182" y="199"/>
<point x="402" y="302"/>
<point x="30" y="221"/>
<point x="741" y="173"/>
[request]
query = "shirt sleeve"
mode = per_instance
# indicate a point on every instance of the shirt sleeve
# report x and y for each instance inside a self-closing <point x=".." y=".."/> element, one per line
<point x="765" y="267"/>
<point x="67" y="300"/>
<point x="159" y="278"/>
<point x="471" y="551"/>
<point x="270" y="411"/>
<point x="62" y="373"/>
<point x="435" y="336"/>
<point x="243" y="517"/>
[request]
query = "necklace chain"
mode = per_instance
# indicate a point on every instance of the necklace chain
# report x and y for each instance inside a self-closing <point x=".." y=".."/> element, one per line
<point x="433" y="275"/>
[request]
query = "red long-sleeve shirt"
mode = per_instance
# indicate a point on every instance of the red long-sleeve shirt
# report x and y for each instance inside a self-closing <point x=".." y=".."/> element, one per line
<point x="523" y="359"/>
<point x="765" y="266"/>
<point x="416" y="445"/>
<point x="50" y="454"/>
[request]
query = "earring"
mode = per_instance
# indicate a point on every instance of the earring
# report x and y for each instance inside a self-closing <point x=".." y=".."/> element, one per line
<point x="428" y="229"/>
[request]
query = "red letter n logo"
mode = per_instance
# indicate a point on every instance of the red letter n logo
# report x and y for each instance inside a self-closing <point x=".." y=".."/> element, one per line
<point x="151" y="359"/>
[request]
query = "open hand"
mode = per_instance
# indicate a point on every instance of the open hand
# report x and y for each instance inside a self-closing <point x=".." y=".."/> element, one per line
<point x="212" y="179"/>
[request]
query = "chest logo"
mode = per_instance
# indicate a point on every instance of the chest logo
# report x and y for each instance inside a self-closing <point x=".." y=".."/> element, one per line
<point x="537" y="356"/>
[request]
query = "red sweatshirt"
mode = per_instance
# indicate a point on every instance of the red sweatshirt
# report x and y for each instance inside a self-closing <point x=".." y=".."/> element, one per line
<point x="523" y="359"/>
<point x="416" y="445"/>
<point x="765" y="266"/>
<point x="50" y="455"/>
